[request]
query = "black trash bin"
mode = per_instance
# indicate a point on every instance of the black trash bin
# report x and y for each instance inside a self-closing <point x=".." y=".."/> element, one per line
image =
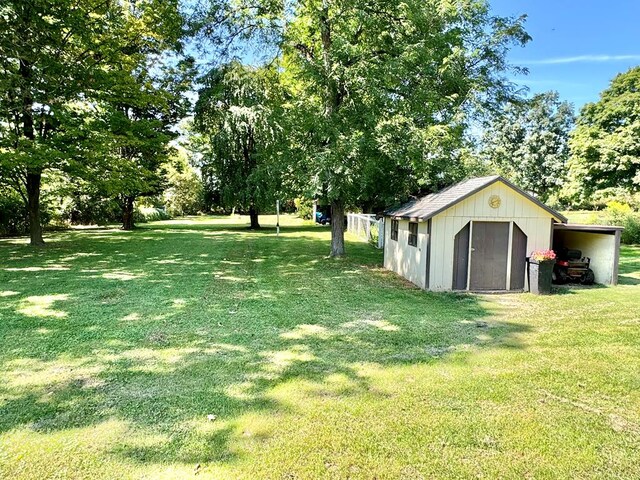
<point x="540" y="276"/>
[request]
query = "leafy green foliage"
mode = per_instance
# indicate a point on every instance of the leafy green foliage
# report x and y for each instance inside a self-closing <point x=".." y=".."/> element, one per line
<point x="600" y="198"/>
<point x="239" y="135"/>
<point x="14" y="218"/>
<point x="136" y="116"/>
<point x="51" y="58"/>
<point x="184" y="194"/>
<point x="615" y="213"/>
<point x="622" y="215"/>
<point x="82" y="208"/>
<point x="150" y="214"/>
<point x="304" y="208"/>
<point x="605" y="146"/>
<point x="382" y="92"/>
<point x="379" y="93"/>
<point x="529" y="143"/>
<point x="87" y="88"/>
<point x="223" y="30"/>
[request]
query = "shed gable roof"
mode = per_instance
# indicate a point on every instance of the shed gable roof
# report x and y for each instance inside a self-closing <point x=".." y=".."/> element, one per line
<point x="435" y="203"/>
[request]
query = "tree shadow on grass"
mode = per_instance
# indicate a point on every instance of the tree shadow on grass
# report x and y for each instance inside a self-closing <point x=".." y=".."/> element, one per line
<point x="629" y="273"/>
<point x="628" y="280"/>
<point x="160" y="334"/>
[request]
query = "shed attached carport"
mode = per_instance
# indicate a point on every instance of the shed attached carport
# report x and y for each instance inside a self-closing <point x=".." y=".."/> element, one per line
<point x="601" y="243"/>
<point x="472" y="236"/>
<point x="476" y="235"/>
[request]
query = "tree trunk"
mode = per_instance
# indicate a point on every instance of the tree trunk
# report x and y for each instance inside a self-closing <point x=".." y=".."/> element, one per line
<point x="33" y="196"/>
<point x="332" y="101"/>
<point x="34" y="176"/>
<point x="253" y="216"/>
<point x="337" y="228"/>
<point x="127" y="213"/>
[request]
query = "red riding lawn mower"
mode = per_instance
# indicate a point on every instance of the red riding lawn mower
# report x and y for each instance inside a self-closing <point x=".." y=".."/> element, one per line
<point x="572" y="267"/>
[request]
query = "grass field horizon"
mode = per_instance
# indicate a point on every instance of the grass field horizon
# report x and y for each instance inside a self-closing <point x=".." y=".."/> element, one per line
<point x="198" y="348"/>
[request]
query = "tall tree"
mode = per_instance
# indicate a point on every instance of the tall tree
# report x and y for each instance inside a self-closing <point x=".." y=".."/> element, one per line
<point x="605" y="146"/>
<point x="237" y="118"/>
<point x="135" y="125"/>
<point x="137" y="111"/>
<point x="529" y="143"/>
<point x="50" y="53"/>
<point x="72" y="67"/>
<point x="381" y="90"/>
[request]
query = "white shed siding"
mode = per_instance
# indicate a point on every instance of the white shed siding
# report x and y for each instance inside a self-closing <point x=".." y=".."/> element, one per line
<point x="400" y="257"/>
<point x="534" y="221"/>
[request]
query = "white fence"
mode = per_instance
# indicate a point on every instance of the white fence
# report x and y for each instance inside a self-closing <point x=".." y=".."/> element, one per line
<point x="366" y="227"/>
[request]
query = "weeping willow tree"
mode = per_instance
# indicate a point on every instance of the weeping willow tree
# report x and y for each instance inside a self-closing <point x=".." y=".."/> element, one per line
<point x="238" y="138"/>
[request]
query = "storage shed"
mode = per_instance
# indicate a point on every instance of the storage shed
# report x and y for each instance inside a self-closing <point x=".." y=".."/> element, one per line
<point x="474" y="235"/>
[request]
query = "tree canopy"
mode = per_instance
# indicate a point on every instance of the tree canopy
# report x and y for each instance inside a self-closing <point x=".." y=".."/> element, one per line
<point x="50" y="53"/>
<point x="382" y="91"/>
<point x="605" y="146"/>
<point x="72" y="71"/>
<point x="529" y="143"/>
<point x="359" y="104"/>
<point x="133" y="128"/>
<point x="237" y="118"/>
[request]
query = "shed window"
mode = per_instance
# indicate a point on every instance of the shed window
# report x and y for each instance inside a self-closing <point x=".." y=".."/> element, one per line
<point x="394" y="230"/>
<point x="413" y="234"/>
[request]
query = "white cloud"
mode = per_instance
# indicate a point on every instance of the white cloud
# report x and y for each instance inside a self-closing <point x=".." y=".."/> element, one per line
<point x="581" y="59"/>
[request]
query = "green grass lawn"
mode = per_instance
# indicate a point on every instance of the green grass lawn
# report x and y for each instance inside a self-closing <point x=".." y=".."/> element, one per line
<point x="117" y="349"/>
<point x="581" y="216"/>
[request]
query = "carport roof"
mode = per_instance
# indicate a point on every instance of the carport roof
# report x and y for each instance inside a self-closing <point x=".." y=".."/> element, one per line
<point x="587" y="228"/>
<point x="431" y="205"/>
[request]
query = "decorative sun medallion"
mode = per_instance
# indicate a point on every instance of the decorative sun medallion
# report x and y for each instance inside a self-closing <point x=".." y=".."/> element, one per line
<point x="494" y="201"/>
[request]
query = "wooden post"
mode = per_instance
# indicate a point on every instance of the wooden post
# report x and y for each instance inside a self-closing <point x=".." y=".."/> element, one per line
<point x="277" y="218"/>
<point x="616" y="258"/>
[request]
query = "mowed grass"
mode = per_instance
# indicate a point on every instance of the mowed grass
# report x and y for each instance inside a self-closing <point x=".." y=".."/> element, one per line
<point x="199" y="349"/>
<point x="581" y="216"/>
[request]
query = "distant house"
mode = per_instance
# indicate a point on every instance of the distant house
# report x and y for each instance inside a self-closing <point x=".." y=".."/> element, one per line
<point x="476" y="235"/>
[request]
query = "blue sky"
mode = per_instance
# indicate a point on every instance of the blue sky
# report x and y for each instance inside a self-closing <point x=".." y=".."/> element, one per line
<point x="578" y="46"/>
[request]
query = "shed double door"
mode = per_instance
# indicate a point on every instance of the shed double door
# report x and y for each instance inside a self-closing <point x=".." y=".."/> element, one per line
<point x="489" y="256"/>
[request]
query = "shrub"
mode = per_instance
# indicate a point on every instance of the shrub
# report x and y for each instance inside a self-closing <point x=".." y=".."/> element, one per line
<point x="14" y="219"/>
<point x="600" y="199"/>
<point x="374" y="235"/>
<point x="150" y="214"/>
<point x="631" y="232"/>
<point x="619" y="195"/>
<point x="90" y="210"/>
<point x="14" y="216"/>
<point x="185" y="195"/>
<point x="304" y="208"/>
<point x="623" y="215"/>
